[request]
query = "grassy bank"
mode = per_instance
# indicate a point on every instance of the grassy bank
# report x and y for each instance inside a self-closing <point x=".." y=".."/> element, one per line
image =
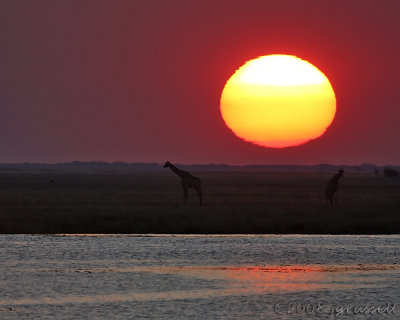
<point x="234" y="202"/>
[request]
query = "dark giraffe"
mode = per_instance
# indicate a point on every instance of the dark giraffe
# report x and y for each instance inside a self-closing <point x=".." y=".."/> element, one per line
<point x="188" y="181"/>
<point x="332" y="188"/>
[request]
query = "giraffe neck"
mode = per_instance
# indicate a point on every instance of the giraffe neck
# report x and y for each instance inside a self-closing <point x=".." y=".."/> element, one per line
<point x="179" y="172"/>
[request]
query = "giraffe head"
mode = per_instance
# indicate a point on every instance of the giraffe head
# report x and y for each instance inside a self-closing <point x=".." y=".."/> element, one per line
<point x="341" y="173"/>
<point x="167" y="164"/>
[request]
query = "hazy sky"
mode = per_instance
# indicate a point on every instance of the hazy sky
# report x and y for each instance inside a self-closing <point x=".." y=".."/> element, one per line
<point x="141" y="80"/>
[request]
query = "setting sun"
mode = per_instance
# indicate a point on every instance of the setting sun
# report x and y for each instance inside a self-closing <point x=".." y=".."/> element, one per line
<point x="278" y="101"/>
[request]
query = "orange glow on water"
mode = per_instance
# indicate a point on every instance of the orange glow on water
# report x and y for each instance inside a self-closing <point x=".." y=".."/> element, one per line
<point x="276" y="278"/>
<point x="278" y="101"/>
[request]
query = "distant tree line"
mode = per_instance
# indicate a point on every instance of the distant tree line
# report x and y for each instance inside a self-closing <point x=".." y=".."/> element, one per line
<point x="389" y="172"/>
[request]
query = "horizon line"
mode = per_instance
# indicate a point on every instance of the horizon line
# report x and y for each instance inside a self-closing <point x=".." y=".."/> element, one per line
<point x="92" y="162"/>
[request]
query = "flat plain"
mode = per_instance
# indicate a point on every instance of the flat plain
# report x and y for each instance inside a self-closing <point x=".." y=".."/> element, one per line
<point x="235" y="202"/>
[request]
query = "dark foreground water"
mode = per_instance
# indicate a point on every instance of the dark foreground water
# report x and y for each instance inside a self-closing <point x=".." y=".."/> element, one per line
<point x="199" y="277"/>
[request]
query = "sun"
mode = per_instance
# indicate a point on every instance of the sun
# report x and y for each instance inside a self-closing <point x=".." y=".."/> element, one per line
<point x="278" y="101"/>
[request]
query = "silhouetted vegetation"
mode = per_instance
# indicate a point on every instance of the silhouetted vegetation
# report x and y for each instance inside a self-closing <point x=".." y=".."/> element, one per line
<point x="139" y="201"/>
<point x="390" y="173"/>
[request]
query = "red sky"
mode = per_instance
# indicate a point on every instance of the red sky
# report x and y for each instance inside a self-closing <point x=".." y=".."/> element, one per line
<point x="140" y="81"/>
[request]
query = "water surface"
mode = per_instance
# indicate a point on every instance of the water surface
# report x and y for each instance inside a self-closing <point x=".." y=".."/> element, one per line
<point x="199" y="277"/>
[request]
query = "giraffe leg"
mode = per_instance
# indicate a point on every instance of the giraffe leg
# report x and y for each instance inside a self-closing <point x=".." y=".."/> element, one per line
<point x="200" y="194"/>
<point x="336" y="197"/>
<point x="326" y="199"/>
<point x="185" y="195"/>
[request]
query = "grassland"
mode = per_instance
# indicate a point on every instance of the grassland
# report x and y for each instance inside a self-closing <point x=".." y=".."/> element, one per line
<point x="234" y="202"/>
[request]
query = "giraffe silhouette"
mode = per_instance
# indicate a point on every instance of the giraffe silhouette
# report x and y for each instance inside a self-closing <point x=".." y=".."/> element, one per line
<point x="188" y="181"/>
<point x="332" y="188"/>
